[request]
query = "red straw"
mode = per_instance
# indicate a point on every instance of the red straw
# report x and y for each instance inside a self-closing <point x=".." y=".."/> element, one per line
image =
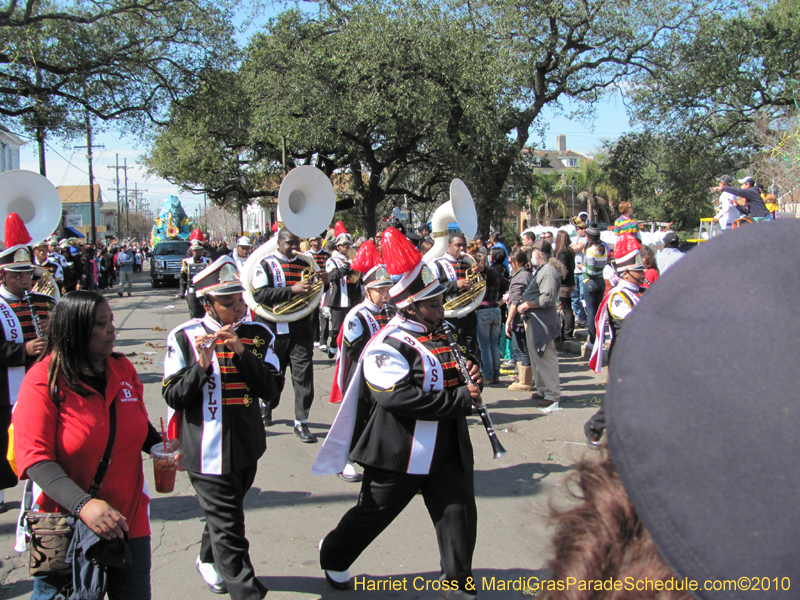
<point x="164" y="438"/>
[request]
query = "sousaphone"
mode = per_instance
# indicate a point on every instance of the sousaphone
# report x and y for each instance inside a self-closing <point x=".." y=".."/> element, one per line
<point x="461" y="209"/>
<point x="306" y="203"/>
<point x="38" y="203"/>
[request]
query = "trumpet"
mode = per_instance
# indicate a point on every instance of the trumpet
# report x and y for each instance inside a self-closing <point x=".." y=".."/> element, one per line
<point x="302" y="300"/>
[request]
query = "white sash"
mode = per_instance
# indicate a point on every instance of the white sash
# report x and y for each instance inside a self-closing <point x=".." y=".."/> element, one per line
<point x="211" y="445"/>
<point x="449" y="269"/>
<point x="344" y="301"/>
<point x="13" y="332"/>
<point x="278" y="281"/>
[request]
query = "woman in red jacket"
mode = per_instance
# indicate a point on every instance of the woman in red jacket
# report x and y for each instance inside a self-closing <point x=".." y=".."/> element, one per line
<point x="61" y="425"/>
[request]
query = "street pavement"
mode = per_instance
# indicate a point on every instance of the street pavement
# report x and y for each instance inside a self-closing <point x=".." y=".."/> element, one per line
<point x="289" y="510"/>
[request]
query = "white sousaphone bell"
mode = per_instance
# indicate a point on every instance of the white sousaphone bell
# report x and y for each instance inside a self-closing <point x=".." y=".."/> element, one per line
<point x="461" y="209"/>
<point x="306" y="203"/>
<point x="36" y="200"/>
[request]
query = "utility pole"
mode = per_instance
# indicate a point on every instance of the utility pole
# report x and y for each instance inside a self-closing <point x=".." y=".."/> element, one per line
<point x="88" y="146"/>
<point x="205" y="213"/>
<point x="116" y="184"/>
<point x="127" y="212"/>
<point x="573" y="195"/>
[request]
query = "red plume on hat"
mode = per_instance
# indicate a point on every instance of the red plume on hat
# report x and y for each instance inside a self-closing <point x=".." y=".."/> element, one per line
<point x="626" y="244"/>
<point x="274" y="226"/>
<point x="399" y="254"/>
<point x="15" y="231"/>
<point x="197" y="235"/>
<point x="339" y="229"/>
<point x="366" y="258"/>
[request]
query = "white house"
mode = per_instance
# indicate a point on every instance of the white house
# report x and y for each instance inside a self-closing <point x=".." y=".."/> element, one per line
<point x="9" y="150"/>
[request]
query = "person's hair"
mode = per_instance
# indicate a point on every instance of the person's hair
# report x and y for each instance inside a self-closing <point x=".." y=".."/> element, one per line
<point x="425" y="246"/>
<point x="498" y="237"/>
<point x="623" y="207"/>
<point x="330" y="245"/>
<point x="648" y="257"/>
<point x="456" y="235"/>
<point x="305" y="246"/>
<point x="71" y="328"/>
<point x="473" y="248"/>
<point x="498" y="255"/>
<point x="603" y="537"/>
<point x="562" y="241"/>
<point x="530" y="235"/>
<point x="522" y="258"/>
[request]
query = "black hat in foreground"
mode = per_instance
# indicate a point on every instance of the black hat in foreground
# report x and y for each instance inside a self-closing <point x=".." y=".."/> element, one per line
<point x="703" y="413"/>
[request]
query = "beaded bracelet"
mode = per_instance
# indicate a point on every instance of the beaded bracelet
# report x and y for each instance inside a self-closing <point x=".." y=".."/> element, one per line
<point x="80" y="506"/>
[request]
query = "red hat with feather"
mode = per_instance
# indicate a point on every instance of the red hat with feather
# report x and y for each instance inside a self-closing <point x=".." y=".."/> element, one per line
<point x="368" y="261"/>
<point x="402" y="258"/>
<point x="17" y="256"/>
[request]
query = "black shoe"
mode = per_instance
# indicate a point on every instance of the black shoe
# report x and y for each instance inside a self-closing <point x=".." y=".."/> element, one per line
<point x="302" y="432"/>
<point x="266" y="417"/>
<point x="351" y="478"/>
<point x="337" y="585"/>
<point x="119" y="294"/>
<point x="331" y="351"/>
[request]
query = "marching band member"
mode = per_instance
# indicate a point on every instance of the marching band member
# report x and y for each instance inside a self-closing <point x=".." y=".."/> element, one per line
<point x="42" y="258"/>
<point x="622" y="298"/>
<point x="343" y="294"/>
<point x="242" y="251"/>
<point x="320" y="325"/>
<point x="215" y="371"/>
<point x="452" y="273"/>
<point x="361" y="324"/>
<point x="189" y="268"/>
<point x="25" y="316"/>
<point x="276" y="280"/>
<point x="404" y="419"/>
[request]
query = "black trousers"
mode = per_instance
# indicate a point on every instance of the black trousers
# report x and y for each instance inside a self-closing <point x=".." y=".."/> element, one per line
<point x="449" y="496"/>
<point x="224" y="543"/>
<point x="315" y="324"/>
<point x="324" y="328"/>
<point x="337" y="319"/>
<point x="8" y="479"/>
<point x="196" y="309"/>
<point x="297" y="351"/>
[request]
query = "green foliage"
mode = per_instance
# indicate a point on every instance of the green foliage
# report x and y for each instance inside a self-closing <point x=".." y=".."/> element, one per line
<point x="117" y="59"/>
<point x="667" y="177"/>
<point x="206" y="147"/>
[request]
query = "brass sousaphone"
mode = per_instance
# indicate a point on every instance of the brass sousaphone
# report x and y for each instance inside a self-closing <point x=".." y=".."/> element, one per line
<point x="461" y="209"/>
<point x="306" y="203"/>
<point x="38" y="204"/>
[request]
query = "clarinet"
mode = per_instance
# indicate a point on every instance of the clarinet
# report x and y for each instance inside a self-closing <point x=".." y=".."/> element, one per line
<point x="497" y="447"/>
<point x="34" y="315"/>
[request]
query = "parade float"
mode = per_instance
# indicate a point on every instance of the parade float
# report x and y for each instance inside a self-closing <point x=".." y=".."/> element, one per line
<point x="172" y="223"/>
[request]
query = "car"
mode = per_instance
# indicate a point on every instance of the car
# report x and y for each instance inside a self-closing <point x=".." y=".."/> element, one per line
<point x="165" y="264"/>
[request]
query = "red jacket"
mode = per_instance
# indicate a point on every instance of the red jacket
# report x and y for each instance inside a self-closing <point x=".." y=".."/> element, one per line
<point x="75" y="434"/>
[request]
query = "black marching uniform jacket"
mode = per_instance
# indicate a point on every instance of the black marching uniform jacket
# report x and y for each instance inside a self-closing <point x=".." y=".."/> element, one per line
<point x="343" y="294"/>
<point x="412" y="416"/>
<point x="17" y="329"/>
<point x="221" y="429"/>
<point x="272" y="282"/>
<point x="450" y="271"/>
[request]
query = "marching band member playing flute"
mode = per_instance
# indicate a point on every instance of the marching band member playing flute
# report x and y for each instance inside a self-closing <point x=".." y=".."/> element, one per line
<point x="216" y="370"/>
<point x="404" y="419"/>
